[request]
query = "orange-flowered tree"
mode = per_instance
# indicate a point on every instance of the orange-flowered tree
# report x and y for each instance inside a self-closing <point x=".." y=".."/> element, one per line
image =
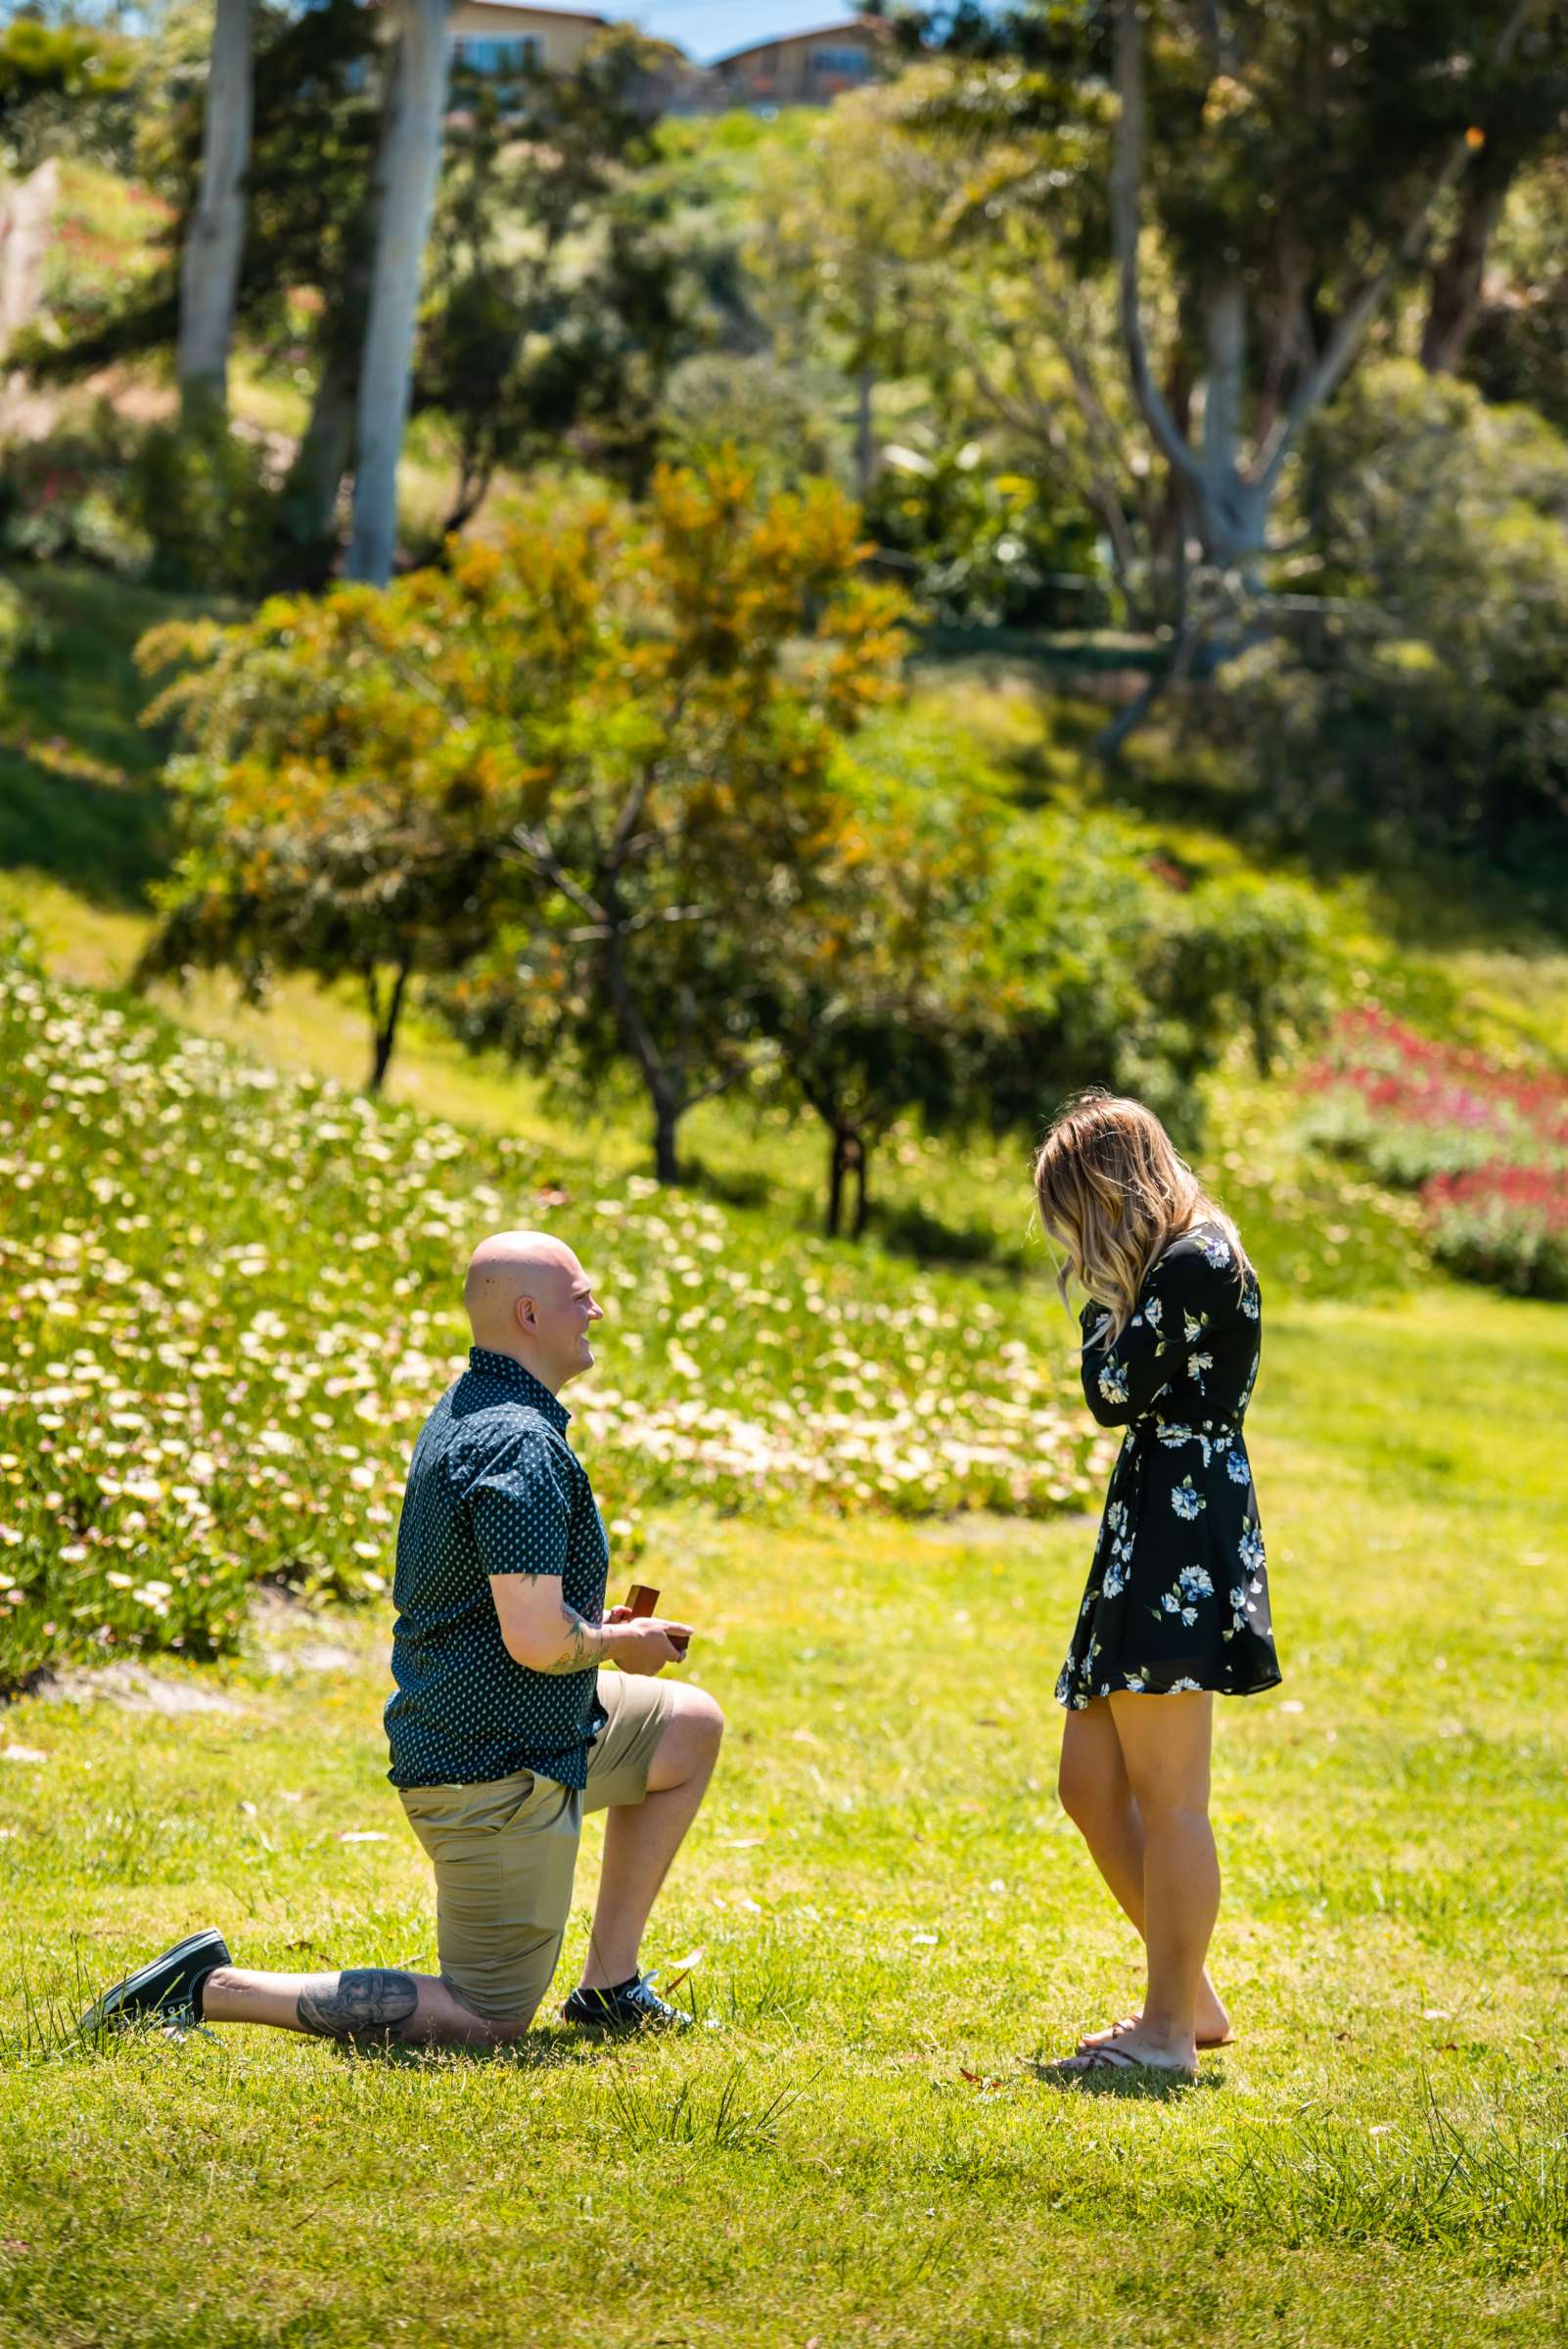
<point x="590" y="759"/>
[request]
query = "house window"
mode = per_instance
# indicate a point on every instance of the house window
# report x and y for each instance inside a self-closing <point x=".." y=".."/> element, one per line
<point x="497" y="60"/>
<point x="851" y="63"/>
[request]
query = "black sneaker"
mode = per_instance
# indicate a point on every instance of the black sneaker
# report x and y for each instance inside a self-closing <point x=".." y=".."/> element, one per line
<point x="168" y="1986"/>
<point x="633" y="2005"/>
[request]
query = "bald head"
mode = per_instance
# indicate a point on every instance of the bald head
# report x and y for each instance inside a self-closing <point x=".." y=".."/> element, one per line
<point x="525" y="1295"/>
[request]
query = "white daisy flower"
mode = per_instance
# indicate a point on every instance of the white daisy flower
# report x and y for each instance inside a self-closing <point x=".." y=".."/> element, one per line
<point x="1217" y="1250"/>
<point x="1113" y="1383"/>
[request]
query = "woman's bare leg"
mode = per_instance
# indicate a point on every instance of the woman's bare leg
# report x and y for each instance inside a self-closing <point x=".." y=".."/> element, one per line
<point x="1097" y="1796"/>
<point x="363" y="2002"/>
<point x="1165" y="1745"/>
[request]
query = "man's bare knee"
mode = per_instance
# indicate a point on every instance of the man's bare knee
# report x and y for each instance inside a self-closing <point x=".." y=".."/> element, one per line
<point x="697" y="1724"/>
<point x="465" y="2021"/>
<point x="705" y="1715"/>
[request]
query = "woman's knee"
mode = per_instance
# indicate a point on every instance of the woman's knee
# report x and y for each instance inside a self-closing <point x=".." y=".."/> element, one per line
<point x="1082" y="1788"/>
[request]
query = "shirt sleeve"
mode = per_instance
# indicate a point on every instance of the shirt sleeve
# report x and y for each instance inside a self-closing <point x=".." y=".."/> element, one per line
<point x="1124" y="1381"/>
<point x="520" y="1506"/>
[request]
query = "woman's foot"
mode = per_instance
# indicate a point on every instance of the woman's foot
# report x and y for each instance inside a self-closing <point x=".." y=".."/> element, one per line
<point x="1129" y="2050"/>
<point x="1213" y="2026"/>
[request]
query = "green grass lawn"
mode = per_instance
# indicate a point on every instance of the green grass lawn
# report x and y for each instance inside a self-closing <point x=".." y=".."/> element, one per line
<point x="893" y="1924"/>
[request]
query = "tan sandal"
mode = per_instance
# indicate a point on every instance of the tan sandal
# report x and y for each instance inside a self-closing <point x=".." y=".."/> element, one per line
<point x="1111" y="2059"/>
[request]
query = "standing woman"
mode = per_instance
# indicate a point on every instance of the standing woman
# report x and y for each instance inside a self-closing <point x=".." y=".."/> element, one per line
<point x="1177" y="1604"/>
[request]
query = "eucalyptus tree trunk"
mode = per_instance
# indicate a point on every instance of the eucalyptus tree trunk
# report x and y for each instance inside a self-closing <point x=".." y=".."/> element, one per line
<point x="214" y="242"/>
<point x="26" y="209"/>
<point x="308" y="500"/>
<point x="411" y="156"/>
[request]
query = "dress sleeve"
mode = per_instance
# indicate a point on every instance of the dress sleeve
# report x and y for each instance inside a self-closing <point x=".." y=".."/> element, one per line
<point x="1122" y="1382"/>
<point x="521" y="1511"/>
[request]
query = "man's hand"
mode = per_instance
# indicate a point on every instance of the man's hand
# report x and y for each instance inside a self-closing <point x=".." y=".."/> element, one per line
<point x="647" y="1644"/>
<point x="542" y="1632"/>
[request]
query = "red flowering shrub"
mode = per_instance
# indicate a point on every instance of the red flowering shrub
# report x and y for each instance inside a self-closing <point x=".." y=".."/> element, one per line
<point x="1502" y="1223"/>
<point x="1486" y="1145"/>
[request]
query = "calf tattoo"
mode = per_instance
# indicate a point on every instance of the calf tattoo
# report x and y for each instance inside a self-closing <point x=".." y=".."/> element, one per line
<point x="363" y="2002"/>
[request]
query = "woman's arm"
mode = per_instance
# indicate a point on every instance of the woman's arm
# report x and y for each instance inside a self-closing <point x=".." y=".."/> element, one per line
<point x="1122" y="1382"/>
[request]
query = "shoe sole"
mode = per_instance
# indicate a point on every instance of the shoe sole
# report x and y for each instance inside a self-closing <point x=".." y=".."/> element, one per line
<point x="611" y="2026"/>
<point x="118" y="1996"/>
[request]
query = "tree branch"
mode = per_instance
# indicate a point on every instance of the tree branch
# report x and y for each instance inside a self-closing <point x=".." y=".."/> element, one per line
<point x="540" y="853"/>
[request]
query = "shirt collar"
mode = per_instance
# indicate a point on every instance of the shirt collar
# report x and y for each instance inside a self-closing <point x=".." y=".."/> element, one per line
<point x="528" y="1388"/>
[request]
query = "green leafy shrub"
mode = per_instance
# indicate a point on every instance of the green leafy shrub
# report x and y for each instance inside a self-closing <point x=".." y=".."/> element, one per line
<point x="206" y="504"/>
<point x="63" y="499"/>
<point x="980" y="547"/>
<point x="1428" y="699"/>
<point x="21" y="630"/>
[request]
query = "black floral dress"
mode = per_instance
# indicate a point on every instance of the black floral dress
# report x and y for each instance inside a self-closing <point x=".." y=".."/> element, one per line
<point x="1178" y="1596"/>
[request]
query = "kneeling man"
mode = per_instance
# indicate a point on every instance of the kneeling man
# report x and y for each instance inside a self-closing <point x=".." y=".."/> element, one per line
<point x="502" y="1731"/>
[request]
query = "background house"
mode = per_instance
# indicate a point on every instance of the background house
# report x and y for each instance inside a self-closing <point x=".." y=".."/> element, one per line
<point x="800" y="68"/>
<point x="499" y="39"/>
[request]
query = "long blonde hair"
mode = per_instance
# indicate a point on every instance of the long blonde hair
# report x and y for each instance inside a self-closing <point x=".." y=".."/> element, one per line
<point x="1113" y="1190"/>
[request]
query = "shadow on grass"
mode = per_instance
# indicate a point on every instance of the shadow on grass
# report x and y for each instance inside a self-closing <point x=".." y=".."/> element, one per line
<point x="542" y="2051"/>
<point x="915" y="1231"/>
<point x="1137" y="2083"/>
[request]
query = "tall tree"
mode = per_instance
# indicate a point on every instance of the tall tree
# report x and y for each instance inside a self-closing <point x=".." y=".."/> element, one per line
<point x="215" y="245"/>
<point x="405" y="197"/>
<point x="1231" y="467"/>
<point x="1258" y="183"/>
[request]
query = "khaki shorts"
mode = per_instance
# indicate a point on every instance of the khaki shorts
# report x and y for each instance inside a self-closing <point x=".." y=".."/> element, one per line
<point x="505" y="1853"/>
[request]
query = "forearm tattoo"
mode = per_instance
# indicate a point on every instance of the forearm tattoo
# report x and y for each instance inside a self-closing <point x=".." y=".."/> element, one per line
<point x="363" y="2002"/>
<point x="584" y="1644"/>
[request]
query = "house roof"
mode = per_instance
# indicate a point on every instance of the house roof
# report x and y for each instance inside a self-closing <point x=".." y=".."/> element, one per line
<point x="874" y="27"/>
<point x="541" y="8"/>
